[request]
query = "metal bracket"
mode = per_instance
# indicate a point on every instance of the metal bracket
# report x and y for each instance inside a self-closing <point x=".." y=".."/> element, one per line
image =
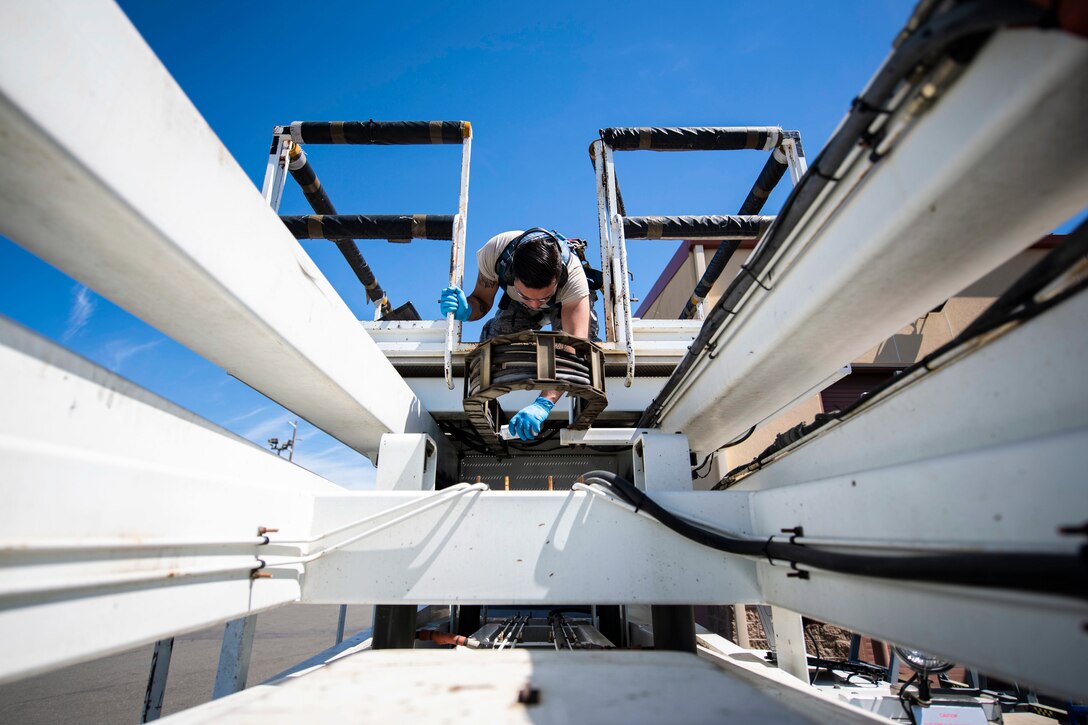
<point x="406" y="462"/>
<point x="533" y="361"/>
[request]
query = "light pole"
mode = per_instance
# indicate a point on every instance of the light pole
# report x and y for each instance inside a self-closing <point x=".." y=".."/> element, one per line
<point x="289" y="446"/>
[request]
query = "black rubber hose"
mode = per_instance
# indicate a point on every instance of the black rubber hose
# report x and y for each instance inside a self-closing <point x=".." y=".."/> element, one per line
<point x="1062" y="574"/>
<point x="303" y="173"/>
<point x="926" y="42"/>
<point x="768" y="178"/>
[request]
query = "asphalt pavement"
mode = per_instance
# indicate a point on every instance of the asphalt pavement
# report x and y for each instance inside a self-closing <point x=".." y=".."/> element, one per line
<point x="111" y="689"/>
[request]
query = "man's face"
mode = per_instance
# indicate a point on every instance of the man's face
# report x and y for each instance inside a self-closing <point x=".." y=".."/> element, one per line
<point x="532" y="298"/>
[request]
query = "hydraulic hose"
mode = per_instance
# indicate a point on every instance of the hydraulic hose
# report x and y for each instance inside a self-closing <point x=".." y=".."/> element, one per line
<point x="1061" y="574"/>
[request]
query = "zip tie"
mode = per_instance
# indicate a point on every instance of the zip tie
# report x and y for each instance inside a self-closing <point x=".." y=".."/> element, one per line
<point x="749" y="272"/>
<point x="766" y="551"/>
<point x="864" y="106"/>
<point x="815" y="170"/>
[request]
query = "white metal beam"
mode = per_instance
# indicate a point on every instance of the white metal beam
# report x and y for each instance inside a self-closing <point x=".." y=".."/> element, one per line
<point x="1037" y="641"/>
<point x="525" y="548"/>
<point x="111" y="175"/>
<point x="990" y="168"/>
<point x="985" y="453"/>
<point x="126" y="519"/>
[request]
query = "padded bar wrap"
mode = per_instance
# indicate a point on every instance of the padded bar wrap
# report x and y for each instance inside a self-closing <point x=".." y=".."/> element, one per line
<point x="763" y="138"/>
<point x="385" y="133"/>
<point x="380" y="226"/>
<point x="695" y="227"/>
<point x="768" y="178"/>
<point x="304" y="174"/>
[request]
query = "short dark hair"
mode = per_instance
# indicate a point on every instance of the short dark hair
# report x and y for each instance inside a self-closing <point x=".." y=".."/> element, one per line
<point x="537" y="262"/>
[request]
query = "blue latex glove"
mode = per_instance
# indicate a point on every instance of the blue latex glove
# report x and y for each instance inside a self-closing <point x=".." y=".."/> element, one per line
<point x="526" y="424"/>
<point x="453" y="300"/>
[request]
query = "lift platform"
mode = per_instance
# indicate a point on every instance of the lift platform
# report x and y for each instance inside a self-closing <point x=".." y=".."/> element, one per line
<point x="945" y="507"/>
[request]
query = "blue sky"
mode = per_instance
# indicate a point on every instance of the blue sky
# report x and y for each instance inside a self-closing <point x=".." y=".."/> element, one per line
<point x="537" y="80"/>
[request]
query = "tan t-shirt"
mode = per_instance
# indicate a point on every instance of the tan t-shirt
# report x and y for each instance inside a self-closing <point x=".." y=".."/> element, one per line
<point x="487" y="258"/>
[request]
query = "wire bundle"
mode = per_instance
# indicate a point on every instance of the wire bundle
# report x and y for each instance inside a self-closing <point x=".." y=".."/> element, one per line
<point x="1061" y="574"/>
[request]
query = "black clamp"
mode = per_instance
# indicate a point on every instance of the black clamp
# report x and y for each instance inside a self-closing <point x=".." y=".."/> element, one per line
<point x="744" y="268"/>
<point x="794" y="533"/>
<point x="860" y="104"/>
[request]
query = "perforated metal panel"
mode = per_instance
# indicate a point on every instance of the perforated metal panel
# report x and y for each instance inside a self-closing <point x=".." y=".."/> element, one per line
<point x="530" y="473"/>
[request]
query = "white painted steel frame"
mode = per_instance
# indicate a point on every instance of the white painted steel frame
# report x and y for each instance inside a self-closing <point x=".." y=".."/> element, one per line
<point x="275" y="175"/>
<point x="196" y="252"/>
<point x="457" y="257"/>
<point x="988" y="170"/>
<point x="607" y="291"/>
<point x="985" y="453"/>
<point x="111" y="494"/>
<point x="525" y="548"/>
<point x="620" y="278"/>
<point x="546" y="547"/>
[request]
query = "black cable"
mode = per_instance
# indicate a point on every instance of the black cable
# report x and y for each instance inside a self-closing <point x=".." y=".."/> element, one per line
<point x="738" y="441"/>
<point x="904" y="699"/>
<point x="1060" y="574"/>
<point x="553" y="431"/>
<point x="458" y="434"/>
<point x="730" y="444"/>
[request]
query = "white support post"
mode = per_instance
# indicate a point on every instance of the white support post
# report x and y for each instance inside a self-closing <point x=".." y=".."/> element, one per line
<point x="789" y="642"/>
<point x="608" y="292"/>
<point x="662" y="462"/>
<point x="275" y="175"/>
<point x="406" y="462"/>
<point x="234" y="656"/>
<point x="457" y="255"/>
<point x="156" y="680"/>
<point x="795" y="160"/>
<point x="699" y="258"/>
<point x="622" y="314"/>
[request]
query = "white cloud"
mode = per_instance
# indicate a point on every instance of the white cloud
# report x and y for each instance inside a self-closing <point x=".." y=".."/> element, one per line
<point x="244" y="416"/>
<point x="343" y="467"/>
<point x="315" y="450"/>
<point x="118" y="351"/>
<point x="261" y="431"/>
<point x="83" y="304"/>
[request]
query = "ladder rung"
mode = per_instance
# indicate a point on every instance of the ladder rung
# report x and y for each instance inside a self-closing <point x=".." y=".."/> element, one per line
<point x="398" y="227"/>
<point x="705" y="138"/>
<point x="695" y="227"/>
<point x="386" y="133"/>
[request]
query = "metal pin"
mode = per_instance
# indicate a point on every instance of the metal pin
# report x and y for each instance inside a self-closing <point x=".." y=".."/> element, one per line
<point x="262" y="530"/>
<point x="506" y="482"/>
<point x="550" y="483"/>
